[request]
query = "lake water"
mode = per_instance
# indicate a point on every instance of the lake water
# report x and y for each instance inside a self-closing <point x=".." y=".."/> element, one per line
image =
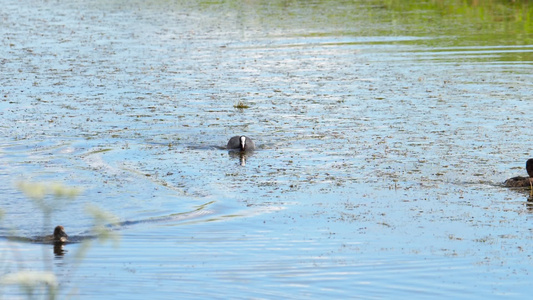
<point x="384" y="131"/>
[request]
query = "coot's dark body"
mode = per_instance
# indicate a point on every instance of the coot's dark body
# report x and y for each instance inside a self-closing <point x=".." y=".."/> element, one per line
<point x="241" y="143"/>
<point x="521" y="181"/>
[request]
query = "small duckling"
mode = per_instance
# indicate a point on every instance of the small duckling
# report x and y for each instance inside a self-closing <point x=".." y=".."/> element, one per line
<point x="59" y="235"/>
<point x="242" y="143"/>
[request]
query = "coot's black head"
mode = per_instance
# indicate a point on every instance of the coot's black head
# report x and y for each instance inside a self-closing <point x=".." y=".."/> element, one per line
<point x="529" y="167"/>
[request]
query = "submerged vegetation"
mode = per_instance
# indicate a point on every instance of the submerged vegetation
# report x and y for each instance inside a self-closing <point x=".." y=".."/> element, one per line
<point x="483" y="18"/>
<point x="241" y="105"/>
<point x="481" y="21"/>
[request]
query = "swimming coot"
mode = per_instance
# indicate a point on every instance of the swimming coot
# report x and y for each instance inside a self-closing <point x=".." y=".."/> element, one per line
<point x="242" y="143"/>
<point x="521" y="181"/>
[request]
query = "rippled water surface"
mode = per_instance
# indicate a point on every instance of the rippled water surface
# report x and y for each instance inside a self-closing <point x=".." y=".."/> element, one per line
<point x="384" y="130"/>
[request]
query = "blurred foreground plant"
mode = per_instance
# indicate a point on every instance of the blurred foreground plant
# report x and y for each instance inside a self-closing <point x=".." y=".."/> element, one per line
<point x="47" y="198"/>
<point x="102" y="221"/>
<point x="38" y="192"/>
<point x="29" y="281"/>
